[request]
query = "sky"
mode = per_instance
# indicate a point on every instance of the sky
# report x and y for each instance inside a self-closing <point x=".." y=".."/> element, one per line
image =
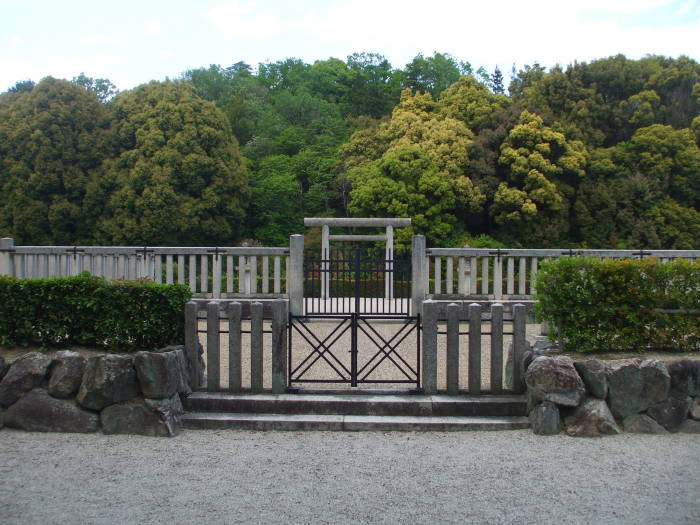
<point x="132" y="42"/>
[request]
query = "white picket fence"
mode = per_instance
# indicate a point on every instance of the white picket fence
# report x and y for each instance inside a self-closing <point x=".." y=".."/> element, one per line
<point x="508" y="273"/>
<point x="210" y="272"/>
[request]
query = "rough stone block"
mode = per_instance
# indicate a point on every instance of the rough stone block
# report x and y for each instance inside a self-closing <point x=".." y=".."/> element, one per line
<point x="4" y="367"/>
<point x="690" y="426"/>
<point x="66" y="373"/>
<point x="642" y="424"/>
<point x="158" y="373"/>
<point x="27" y="372"/>
<point x="592" y="418"/>
<point x="545" y="419"/>
<point x="694" y="410"/>
<point x="108" y="379"/>
<point x="592" y="371"/>
<point x="37" y="411"/>
<point x="634" y="385"/>
<point x="555" y="379"/>
<point x="146" y="417"/>
<point x="183" y="367"/>
<point x="685" y="377"/>
<point x="672" y="412"/>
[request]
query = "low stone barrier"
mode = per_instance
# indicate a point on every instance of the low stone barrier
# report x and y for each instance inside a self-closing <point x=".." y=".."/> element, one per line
<point x="592" y="397"/>
<point x="120" y="394"/>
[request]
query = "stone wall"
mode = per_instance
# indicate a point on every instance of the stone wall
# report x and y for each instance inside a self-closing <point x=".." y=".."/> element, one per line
<point x="118" y="394"/>
<point x="593" y="397"/>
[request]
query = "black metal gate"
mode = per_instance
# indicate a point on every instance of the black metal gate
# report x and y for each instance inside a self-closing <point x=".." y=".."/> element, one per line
<point x="356" y="328"/>
<point x="357" y="280"/>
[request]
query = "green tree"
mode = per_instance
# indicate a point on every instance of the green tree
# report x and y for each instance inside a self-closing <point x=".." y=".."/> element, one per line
<point x="544" y="169"/>
<point x="53" y="138"/>
<point x="178" y="177"/>
<point x="101" y="87"/>
<point x="434" y="74"/>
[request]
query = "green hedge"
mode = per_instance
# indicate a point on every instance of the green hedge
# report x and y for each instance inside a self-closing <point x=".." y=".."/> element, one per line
<point x="613" y="304"/>
<point x="90" y="311"/>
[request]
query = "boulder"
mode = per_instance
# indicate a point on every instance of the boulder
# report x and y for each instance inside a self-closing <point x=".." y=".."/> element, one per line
<point x="545" y="420"/>
<point x="694" y="410"/>
<point x="672" y="412"/>
<point x="4" y="367"/>
<point x="146" y="417"/>
<point x="592" y="418"/>
<point x="183" y="367"/>
<point x="685" y="377"/>
<point x="66" y="373"/>
<point x="592" y="371"/>
<point x="108" y="379"/>
<point x="37" y="411"/>
<point x="27" y="372"/>
<point x="527" y="358"/>
<point x="690" y="427"/>
<point x="158" y="373"/>
<point x="2" y="418"/>
<point x="555" y="379"/>
<point x="634" y="385"/>
<point x="642" y="424"/>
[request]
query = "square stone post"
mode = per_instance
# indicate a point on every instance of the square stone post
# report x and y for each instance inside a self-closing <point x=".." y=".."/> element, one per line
<point x="418" y="273"/>
<point x="279" y="346"/>
<point x="7" y="245"/>
<point x="295" y="274"/>
<point x="429" y="348"/>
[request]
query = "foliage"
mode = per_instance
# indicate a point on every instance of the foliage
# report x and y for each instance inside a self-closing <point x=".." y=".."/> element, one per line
<point x="89" y="311"/>
<point x="53" y="139"/>
<point x="613" y="305"/>
<point x="178" y="176"/>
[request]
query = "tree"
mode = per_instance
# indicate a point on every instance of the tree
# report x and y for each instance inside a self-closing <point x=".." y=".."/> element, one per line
<point x="406" y="183"/>
<point x="544" y="169"/>
<point x="471" y="102"/>
<point x="102" y="87"/>
<point x="434" y="74"/>
<point x="178" y="177"/>
<point x="496" y="83"/>
<point x="53" y="138"/>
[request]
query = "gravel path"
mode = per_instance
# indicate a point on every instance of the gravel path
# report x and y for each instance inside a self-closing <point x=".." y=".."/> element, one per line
<point x="333" y="477"/>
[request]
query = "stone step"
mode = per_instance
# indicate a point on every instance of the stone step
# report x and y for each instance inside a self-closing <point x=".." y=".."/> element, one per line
<point x="294" y="422"/>
<point x="358" y="404"/>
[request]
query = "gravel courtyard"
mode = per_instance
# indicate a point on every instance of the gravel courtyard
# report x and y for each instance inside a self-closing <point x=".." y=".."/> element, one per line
<point x="332" y="477"/>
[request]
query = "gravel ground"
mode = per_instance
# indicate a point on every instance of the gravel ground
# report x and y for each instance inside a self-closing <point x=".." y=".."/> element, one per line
<point x="333" y="477"/>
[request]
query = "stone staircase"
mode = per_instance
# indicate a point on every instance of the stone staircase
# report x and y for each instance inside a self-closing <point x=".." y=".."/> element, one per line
<point x="354" y="412"/>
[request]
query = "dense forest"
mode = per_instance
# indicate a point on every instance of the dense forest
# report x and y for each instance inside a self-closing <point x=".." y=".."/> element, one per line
<point x="599" y="154"/>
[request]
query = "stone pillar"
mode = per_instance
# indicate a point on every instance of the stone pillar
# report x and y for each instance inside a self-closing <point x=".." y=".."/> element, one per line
<point x="452" y="372"/>
<point x="7" y="244"/>
<point x="429" y="348"/>
<point x="418" y="277"/>
<point x="519" y="346"/>
<point x="256" y="347"/>
<point x="325" y="256"/>
<point x="279" y="346"/>
<point x="295" y="274"/>
<point x="389" y="256"/>
<point x="192" y="343"/>
<point x="213" y="356"/>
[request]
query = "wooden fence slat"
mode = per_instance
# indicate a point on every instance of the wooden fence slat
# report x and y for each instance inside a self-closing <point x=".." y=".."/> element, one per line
<point x="256" y="347"/>
<point x="234" y="347"/>
<point x="496" y="348"/>
<point x="213" y="357"/>
<point x="474" y="361"/>
<point x="452" y="361"/>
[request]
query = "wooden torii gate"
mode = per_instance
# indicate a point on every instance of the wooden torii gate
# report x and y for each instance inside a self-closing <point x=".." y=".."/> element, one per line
<point x="325" y="223"/>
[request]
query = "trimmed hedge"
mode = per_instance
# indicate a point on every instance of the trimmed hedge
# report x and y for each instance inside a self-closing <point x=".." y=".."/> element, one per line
<point x="620" y="304"/>
<point x="90" y="311"/>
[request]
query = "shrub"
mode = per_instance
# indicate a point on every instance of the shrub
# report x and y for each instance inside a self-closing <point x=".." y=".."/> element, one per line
<point x="620" y="304"/>
<point x="90" y="311"/>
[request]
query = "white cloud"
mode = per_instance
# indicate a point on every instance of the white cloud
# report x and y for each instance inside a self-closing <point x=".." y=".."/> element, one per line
<point x="152" y="27"/>
<point x="245" y="20"/>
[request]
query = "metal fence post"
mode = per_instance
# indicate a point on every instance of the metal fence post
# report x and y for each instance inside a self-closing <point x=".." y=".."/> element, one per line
<point x="192" y="343"/>
<point x="519" y="344"/>
<point x="429" y="347"/>
<point x="7" y="245"/>
<point x="279" y="346"/>
<point x="418" y="277"/>
<point x="295" y="274"/>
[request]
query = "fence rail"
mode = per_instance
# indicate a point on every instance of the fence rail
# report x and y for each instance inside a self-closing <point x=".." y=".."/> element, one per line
<point x="210" y="272"/>
<point x="508" y="273"/>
